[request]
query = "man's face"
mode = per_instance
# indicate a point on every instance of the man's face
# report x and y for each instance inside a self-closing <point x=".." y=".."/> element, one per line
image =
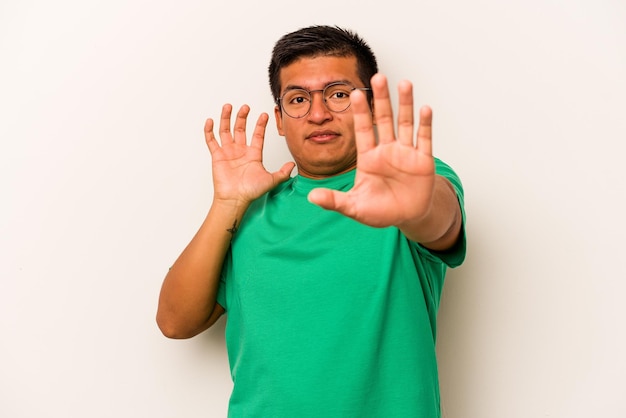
<point x="322" y="143"/>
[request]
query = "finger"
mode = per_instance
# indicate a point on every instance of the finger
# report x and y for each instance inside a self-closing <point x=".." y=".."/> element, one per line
<point x="209" y="137"/>
<point x="363" y="127"/>
<point x="405" y="113"/>
<point x="258" y="136"/>
<point x="241" y="120"/>
<point x="224" y="131"/>
<point x="383" y="113"/>
<point x="331" y="200"/>
<point x="284" y="172"/>
<point x="424" y="132"/>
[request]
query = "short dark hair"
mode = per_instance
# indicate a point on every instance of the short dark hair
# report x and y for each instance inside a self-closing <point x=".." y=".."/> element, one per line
<point x="320" y="40"/>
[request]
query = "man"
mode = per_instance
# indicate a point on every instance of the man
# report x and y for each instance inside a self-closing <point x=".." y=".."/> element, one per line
<point x="332" y="278"/>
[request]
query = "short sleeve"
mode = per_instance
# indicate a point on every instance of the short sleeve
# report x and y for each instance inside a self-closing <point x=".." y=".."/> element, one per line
<point x="455" y="256"/>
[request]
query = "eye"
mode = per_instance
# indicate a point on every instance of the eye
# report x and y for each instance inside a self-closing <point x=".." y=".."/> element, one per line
<point x="297" y="97"/>
<point x="338" y="93"/>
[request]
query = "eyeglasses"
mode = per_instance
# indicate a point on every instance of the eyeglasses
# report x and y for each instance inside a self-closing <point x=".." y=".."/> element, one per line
<point x="297" y="102"/>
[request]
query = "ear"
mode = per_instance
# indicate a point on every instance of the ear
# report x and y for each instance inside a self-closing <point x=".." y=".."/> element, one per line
<point x="278" y="115"/>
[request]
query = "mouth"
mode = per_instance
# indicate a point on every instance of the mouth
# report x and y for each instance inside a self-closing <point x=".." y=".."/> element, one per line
<point x="322" y="137"/>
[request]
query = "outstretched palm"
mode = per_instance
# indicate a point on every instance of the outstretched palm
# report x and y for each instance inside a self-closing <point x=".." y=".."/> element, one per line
<point x="395" y="178"/>
<point x="238" y="172"/>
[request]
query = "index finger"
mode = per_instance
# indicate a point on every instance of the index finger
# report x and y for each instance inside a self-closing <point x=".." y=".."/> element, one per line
<point x="383" y="112"/>
<point x="363" y="127"/>
<point x="258" y="136"/>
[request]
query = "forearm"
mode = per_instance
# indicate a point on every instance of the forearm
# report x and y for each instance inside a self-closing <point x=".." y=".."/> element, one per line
<point x="188" y="295"/>
<point x="439" y="229"/>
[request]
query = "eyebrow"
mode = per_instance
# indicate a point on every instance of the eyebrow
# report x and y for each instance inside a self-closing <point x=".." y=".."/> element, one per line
<point x="296" y="87"/>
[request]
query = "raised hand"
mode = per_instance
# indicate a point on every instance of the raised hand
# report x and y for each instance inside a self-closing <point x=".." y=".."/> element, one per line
<point x="238" y="172"/>
<point x="395" y="177"/>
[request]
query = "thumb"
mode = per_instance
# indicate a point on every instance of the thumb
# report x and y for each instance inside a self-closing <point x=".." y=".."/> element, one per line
<point x="284" y="172"/>
<point x="329" y="199"/>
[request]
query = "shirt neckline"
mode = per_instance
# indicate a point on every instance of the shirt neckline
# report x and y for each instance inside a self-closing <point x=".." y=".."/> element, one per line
<point x="337" y="182"/>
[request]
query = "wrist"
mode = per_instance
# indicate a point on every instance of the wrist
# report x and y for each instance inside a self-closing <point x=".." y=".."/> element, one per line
<point x="230" y="205"/>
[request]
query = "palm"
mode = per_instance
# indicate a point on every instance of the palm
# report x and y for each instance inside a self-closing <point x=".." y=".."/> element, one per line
<point x="395" y="178"/>
<point x="393" y="183"/>
<point x="238" y="171"/>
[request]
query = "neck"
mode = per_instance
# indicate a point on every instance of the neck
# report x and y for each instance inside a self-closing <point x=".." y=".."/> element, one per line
<point x="321" y="174"/>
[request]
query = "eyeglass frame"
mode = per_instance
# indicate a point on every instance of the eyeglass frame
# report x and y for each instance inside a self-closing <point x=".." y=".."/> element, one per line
<point x="279" y="102"/>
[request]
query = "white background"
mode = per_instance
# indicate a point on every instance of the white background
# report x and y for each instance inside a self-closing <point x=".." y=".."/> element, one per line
<point x="104" y="178"/>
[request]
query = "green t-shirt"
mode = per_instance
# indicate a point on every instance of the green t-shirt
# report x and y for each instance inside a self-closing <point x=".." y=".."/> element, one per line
<point x="327" y="317"/>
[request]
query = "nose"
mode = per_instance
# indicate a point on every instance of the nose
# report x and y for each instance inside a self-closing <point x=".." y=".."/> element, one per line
<point x="318" y="112"/>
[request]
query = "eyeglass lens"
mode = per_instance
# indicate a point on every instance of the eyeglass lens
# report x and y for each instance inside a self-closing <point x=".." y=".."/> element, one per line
<point x="297" y="103"/>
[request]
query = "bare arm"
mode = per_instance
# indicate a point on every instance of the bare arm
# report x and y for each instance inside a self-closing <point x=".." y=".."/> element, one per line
<point x="187" y="303"/>
<point x="395" y="183"/>
<point x="440" y="228"/>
